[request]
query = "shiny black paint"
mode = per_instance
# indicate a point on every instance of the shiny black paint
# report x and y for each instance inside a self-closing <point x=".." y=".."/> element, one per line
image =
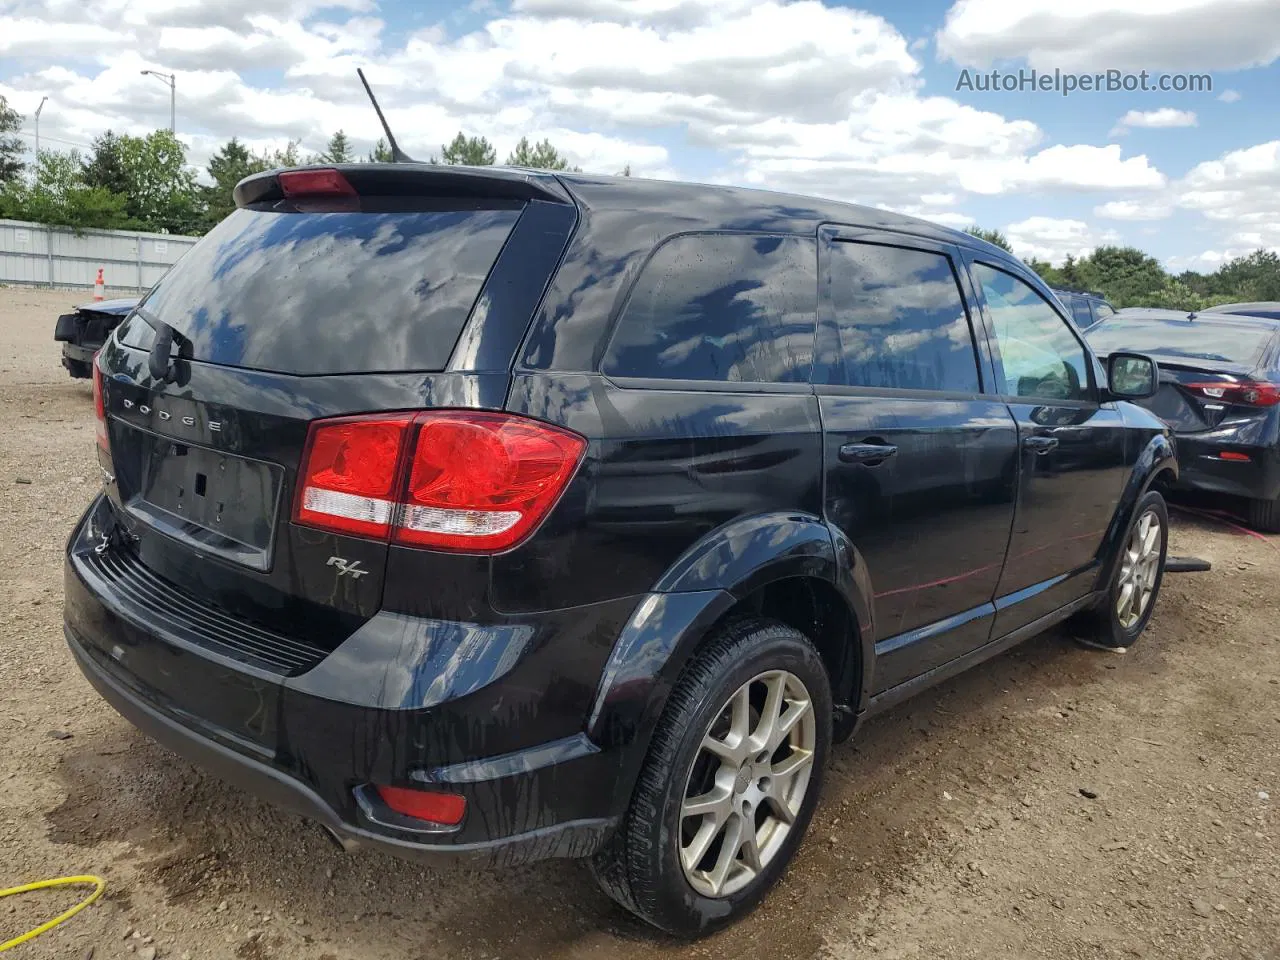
<point x="531" y="680"/>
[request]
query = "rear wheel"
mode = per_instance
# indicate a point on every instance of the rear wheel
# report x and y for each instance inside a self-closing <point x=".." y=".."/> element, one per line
<point x="729" y="785"/>
<point x="1264" y="515"/>
<point x="1131" y="597"/>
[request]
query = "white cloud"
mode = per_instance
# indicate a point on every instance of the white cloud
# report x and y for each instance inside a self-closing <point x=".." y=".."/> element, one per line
<point x="1229" y="96"/>
<point x="1239" y="191"/>
<point x="1164" y="118"/>
<point x="1088" y="35"/>
<point x="790" y="95"/>
<point x="1154" y="209"/>
<point x="1048" y="238"/>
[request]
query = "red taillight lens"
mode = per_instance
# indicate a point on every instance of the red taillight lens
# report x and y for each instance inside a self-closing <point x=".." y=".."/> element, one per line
<point x="1234" y="455"/>
<point x="1249" y="393"/>
<point x="476" y="481"/>
<point x="99" y="406"/>
<point x="445" y="808"/>
<point x="351" y="472"/>
<point x="482" y="481"/>
<point x="315" y="183"/>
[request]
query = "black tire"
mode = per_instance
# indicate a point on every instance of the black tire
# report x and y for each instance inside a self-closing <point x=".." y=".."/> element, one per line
<point x="641" y="867"/>
<point x="1103" y="625"/>
<point x="1264" y="515"/>
<point x="79" y="369"/>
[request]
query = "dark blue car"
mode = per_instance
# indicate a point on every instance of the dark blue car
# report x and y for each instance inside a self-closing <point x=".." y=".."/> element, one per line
<point x="84" y="330"/>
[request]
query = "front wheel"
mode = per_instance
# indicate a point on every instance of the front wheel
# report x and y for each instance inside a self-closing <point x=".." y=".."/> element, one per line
<point x="1131" y="595"/>
<point x="729" y="785"/>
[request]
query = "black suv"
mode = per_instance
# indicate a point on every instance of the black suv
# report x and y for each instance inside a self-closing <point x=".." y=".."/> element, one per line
<point x="1085" y="308"/>
<point x="486" y="511"/>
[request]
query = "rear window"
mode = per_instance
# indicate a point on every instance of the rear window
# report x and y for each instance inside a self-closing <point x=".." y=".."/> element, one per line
<point x="721" y="307"/>
<point x="327" y="293"/>
<point x="1181" y="339"/>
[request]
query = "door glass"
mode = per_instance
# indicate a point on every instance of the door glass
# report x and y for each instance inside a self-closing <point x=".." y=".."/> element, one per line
<point x="1041" y="357"/>
<point x="1080" y="312"/>
<point x="901" y="320"/>
<point x="1102" y="310"/>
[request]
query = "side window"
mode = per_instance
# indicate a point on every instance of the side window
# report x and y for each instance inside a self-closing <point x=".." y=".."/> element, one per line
<point x="1080" y="312"/>
<point x="721" y="307"/>
<point x="1102" y="310"/>
<point x="1042" y="358"/>
<point x="901" y="319"/>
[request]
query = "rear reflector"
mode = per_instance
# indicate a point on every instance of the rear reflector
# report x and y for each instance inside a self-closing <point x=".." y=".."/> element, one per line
<point x="451" y="480"/>
<point x="1249" y="393"/>
<point x="99" y="406"/>
<point x="315" y="183"/>
<point x="444" y="808"/>
<point x="1232" y="455"/>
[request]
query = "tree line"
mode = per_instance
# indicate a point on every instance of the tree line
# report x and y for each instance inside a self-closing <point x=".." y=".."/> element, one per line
<point x="144" y="183"/>
<point x="1127" y="277"/>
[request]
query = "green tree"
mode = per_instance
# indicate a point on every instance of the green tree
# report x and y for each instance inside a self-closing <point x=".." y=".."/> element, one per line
<point x="12" y="148"/>
<point x="231" y="164"/>
<point x="57" y="194"/>
<point x="161" y="189"/>
<point x="1255" y="276"/>
<point x="275" y="159"/>
<point x="991" y="236"/>
<point x="471" y="151"/>
<point x="541" y="156"/>
<point x="339" y="150"/>
<point x="381" y="152"/>
<point x="106" y="165"/>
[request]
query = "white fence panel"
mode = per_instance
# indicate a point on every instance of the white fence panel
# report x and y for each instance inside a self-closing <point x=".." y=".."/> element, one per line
<point x="131" y="262"/>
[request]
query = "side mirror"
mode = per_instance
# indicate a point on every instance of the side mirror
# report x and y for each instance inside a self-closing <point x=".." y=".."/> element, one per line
<point x="1132" y="376"/>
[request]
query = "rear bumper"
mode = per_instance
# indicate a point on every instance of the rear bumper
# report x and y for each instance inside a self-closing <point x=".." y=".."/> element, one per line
<point x="1202" y="467"/>
<point x="267" y="731"/>
<point x="76" y="357"/>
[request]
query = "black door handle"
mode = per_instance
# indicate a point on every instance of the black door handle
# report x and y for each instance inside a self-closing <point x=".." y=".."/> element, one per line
<point x="1040" y="445"/>
<point x="868" y="453"/>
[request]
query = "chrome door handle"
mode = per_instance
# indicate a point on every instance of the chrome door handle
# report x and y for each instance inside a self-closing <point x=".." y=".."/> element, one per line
<point x="1040" y="445"/>
<point x="867" y="453"/>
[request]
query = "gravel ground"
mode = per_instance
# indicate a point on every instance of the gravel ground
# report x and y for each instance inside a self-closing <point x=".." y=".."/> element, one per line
<point x="1056" y="802"/>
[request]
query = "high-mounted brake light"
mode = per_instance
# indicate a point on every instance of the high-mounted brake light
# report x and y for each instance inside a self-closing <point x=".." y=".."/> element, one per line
<point x="315" y="183"/>
<point x="99" y="407"/>
<point x="1249" y="393"/>
<point x="450" y="480"/>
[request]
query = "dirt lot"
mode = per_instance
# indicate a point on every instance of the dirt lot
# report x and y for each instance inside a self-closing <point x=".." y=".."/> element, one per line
<point x="1056" y="802"/>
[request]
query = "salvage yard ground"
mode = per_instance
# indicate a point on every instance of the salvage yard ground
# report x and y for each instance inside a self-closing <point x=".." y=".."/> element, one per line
<point x="1057" y="802"/>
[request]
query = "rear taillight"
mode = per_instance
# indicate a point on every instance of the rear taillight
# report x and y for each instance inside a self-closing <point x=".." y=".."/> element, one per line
<point x="99" y="406"/>
<point x="1249" y="393"/>
<point x="450" y="480"/>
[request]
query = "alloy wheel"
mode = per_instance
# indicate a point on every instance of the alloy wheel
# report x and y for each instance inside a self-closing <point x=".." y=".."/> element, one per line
<point x="747" y="783"/>
<point x="1139" y="569"/>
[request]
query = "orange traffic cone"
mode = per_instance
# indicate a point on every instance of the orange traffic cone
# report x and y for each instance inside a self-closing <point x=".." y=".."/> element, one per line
<point x="99" y="287"/>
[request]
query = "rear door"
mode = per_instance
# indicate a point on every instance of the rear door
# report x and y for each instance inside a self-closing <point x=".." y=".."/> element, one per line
<point x="1072" y="448"/>
<point x="921" y="464"/>
<point x="285" y="313"/>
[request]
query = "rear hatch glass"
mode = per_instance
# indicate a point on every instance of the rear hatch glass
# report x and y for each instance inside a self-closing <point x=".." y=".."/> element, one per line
<point x="327" y="293"/>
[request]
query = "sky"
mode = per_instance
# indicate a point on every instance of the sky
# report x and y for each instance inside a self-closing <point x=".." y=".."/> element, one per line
<point x="884" y="104"/>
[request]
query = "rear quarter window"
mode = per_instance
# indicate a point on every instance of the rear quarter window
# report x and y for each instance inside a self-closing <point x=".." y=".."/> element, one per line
<point x="732" y="308"/>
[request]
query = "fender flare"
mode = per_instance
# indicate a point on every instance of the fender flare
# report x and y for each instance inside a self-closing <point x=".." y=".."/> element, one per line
<point x="1157" y="457"/>
<point x="705" y="583"/>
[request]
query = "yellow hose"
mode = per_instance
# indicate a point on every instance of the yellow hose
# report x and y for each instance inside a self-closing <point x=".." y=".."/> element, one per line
<point x="98" y="886"/>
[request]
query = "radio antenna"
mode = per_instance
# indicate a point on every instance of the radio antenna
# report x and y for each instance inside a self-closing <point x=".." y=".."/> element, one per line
<point x="397" y="155"/>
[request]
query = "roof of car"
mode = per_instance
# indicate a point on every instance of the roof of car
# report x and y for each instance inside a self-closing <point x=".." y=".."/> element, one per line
<point x="724" y="207"/>
<point x="1205" y="317"/>
<point x="1270" y="307"/>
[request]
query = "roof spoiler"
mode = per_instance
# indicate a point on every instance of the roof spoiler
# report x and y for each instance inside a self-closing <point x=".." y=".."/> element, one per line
<point x="418" y="179"/>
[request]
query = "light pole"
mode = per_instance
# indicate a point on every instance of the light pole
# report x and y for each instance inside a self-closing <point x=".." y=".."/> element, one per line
<point x="172" y="81"/>
<point x="38" y="109"/>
